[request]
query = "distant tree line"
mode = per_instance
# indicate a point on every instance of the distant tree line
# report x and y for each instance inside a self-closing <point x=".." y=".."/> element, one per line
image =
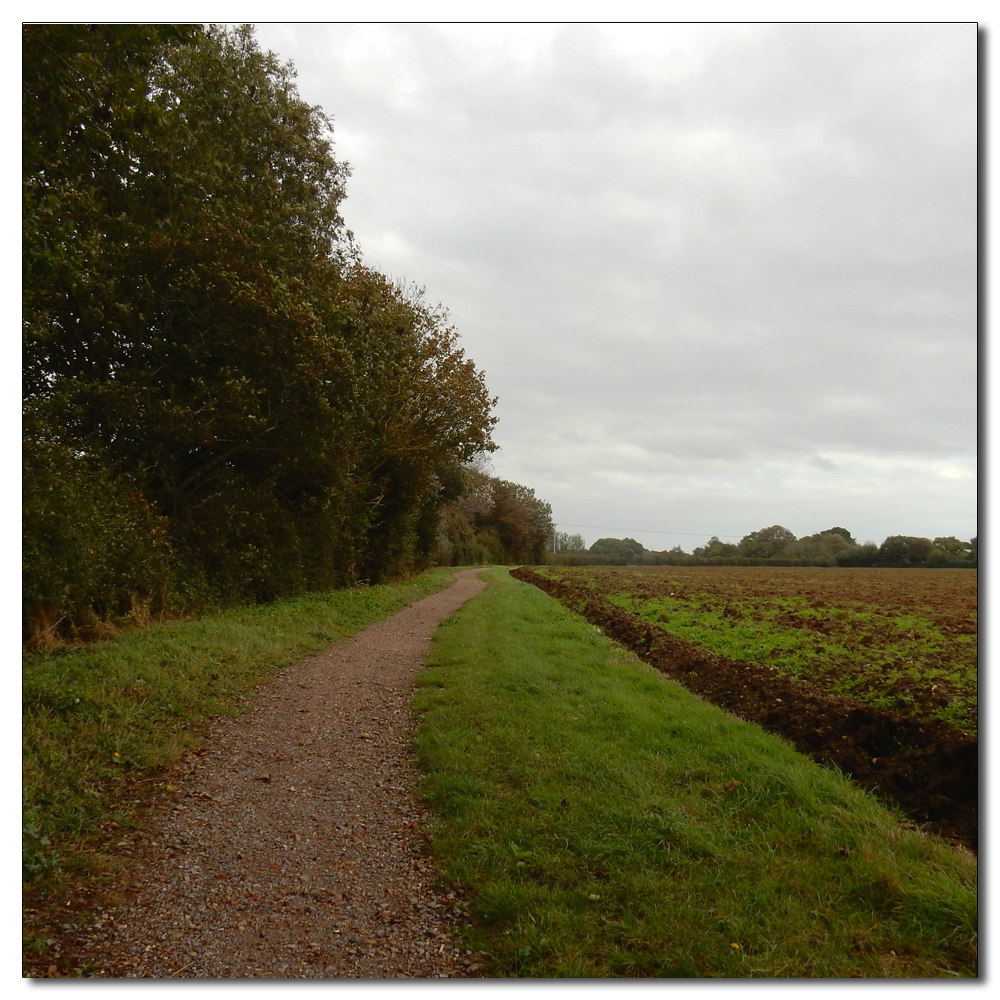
<point x="777" y="546"/>
<point x="221" y="401"/>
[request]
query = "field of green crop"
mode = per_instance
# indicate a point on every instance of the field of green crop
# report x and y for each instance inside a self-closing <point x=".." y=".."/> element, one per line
<point x="904" y="640"/>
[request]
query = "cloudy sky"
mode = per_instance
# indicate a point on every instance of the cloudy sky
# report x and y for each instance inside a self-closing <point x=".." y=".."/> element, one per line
<point x="719" y="276"/>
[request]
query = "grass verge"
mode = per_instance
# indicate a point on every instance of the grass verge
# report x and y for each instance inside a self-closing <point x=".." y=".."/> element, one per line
<point x="100" y="723"/>
<point x="607" y="823"/>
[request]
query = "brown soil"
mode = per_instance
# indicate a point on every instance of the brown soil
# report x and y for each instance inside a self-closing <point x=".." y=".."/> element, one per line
<point x="294" y="846"/>
<point x="929" y="769"/>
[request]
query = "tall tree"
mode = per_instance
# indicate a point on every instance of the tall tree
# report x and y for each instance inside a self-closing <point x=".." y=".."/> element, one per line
<point x="522" y="521"/>
<point x="765" y="543"/>
<point x="714" y="548"/>
<point x="952" y="546"/>
<point x="196" y="322"/>
<point x="823" y="547"/>
<point x="904" y="550"/>
<point x="619" y="548"/>
<point x="566" y="542"/>
<point x="418" y="408"/>
<point x="843" y="532"/>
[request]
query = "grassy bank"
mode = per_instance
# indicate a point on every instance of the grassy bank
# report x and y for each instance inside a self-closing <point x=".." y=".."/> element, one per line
<point x="99" y="723"/>
<point x="607" y="823"/>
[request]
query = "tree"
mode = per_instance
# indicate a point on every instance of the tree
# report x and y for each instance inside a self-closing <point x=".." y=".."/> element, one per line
<point x="182" y="335"/>
<point x="522" y="521"/>
<point x="94" y="550"/>
<point x="823" y="547"/>
<point x="569" y="543"/>
<point x="89" y="124"/>
<point x="840" y="531"/>
<point x="463" y="538"/>
<point x="952" y="546"/>
<point x="866" y="554"/>
<point x="197" y="325"/>
<point x="765" y="543"/>
<point x="904" y="550"/>
<point x="715" y="549"/>
<point x="618" y="548"/>
<point x="493" y="521"/>
<point x="417" y="409"/>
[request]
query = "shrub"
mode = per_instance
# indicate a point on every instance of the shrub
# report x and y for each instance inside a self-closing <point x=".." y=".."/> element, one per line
<point x="94" y="550"/>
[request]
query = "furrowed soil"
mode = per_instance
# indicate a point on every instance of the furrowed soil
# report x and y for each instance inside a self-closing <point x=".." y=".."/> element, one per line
<point x="927" y="767"/>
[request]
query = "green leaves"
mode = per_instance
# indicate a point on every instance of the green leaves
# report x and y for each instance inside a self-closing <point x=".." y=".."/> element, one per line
<point x="94" y="549"/>
<point x="194" y="315"/>
<point x="620" y="548"/>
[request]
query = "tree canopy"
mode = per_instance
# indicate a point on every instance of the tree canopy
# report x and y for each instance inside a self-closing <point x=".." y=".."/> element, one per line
<point x="618" y="548"/>
<point x="566" y="542"/>
<point x="199" y="332"/>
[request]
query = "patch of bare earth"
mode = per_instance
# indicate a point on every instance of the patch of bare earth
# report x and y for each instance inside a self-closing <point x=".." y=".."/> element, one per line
<point x="295" y="847"/>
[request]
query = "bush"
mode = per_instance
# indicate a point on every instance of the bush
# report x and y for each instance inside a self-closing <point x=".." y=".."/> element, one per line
<point x="94" y="551"/>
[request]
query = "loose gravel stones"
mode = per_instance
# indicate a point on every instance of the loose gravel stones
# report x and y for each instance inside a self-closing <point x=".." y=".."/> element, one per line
<point x="295" y="847"/>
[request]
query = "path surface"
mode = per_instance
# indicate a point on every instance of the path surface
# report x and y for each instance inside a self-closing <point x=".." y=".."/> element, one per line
<point x="294" y="848"/>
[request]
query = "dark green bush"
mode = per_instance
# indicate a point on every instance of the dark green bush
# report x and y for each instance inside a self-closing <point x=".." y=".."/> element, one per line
<point x="94" y="553"/>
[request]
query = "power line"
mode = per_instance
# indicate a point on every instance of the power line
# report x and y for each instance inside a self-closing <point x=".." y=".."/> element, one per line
<point x="645" y="531"/>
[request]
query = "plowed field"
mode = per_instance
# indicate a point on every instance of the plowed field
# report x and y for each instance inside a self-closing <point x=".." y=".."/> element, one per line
<point x="871" y="671"/>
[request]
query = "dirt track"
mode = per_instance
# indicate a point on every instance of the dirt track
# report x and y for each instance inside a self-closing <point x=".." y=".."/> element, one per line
<point x="929" y="769"/>
<point x="294" y="847"/>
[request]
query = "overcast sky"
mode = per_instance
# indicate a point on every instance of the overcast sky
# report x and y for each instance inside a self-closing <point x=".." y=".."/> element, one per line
<point x="719" y="276"/>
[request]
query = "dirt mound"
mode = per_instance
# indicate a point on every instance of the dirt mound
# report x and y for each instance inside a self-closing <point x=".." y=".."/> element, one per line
<point x="926" y="767"/>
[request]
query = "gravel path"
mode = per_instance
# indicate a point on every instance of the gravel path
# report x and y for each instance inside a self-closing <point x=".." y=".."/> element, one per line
<point x="295" y="845"/>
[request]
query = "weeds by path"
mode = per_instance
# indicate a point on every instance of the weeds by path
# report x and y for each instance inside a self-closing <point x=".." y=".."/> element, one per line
<point x="607" y="823"/>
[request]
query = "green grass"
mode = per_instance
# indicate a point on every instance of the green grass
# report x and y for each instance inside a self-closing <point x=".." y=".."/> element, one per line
<point x="606" y="823"/>
<point x="100" y="723"/>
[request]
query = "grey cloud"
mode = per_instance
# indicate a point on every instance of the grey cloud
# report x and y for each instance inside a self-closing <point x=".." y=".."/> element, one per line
<point x="713" y="253"/>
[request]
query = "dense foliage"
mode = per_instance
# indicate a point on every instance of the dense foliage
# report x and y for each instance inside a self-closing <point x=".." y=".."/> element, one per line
<point x="494" y="521"/>
<point x="622" y="548"/>
<point x="221" y="401"/>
